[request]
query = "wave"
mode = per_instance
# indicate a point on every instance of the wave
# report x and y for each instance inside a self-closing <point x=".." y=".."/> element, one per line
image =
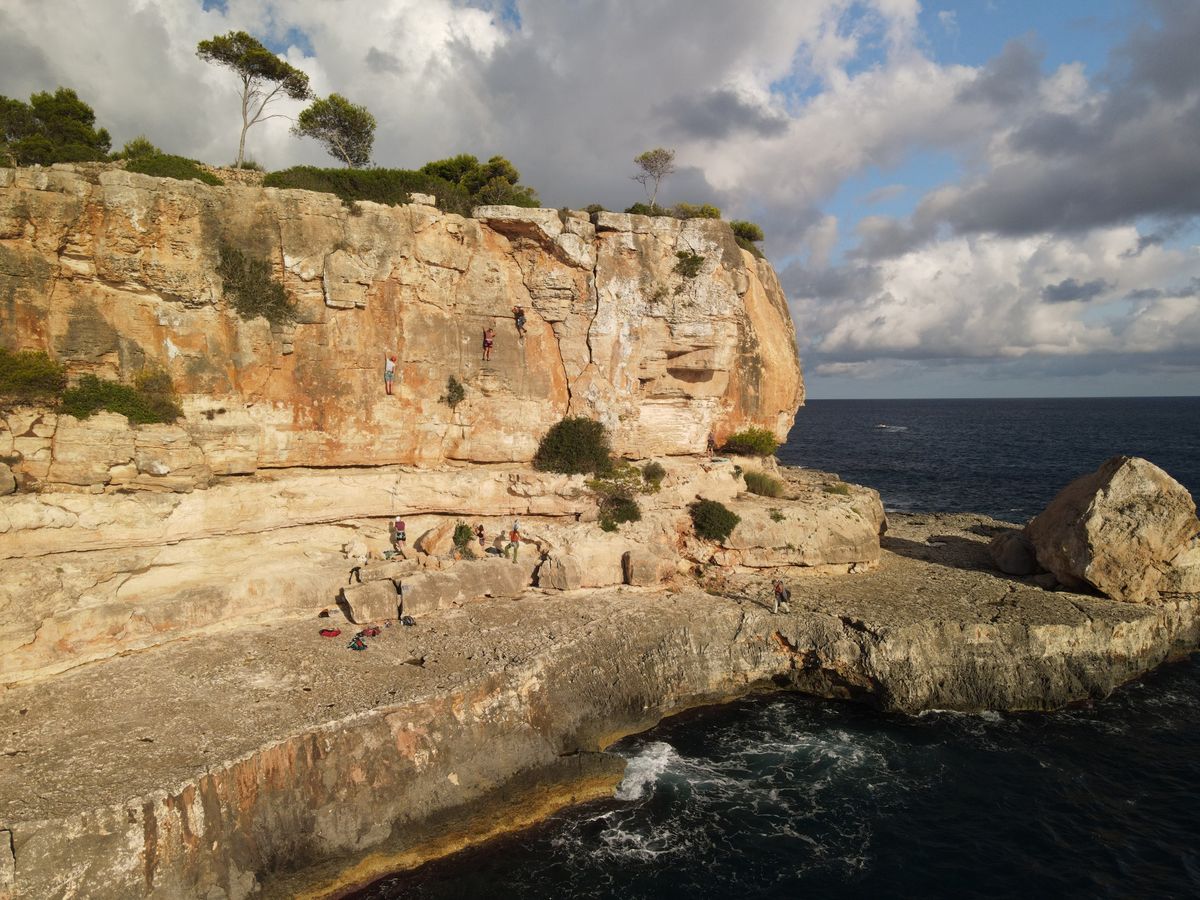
<point x="644" y="769"/>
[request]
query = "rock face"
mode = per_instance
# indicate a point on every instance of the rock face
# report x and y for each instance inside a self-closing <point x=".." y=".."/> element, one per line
<point x="115" y="272"/>
<point x="1013" y="554"/>
<point x="1120" y="530"/>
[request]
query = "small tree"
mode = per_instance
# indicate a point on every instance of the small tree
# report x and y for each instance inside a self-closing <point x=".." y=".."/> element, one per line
<point x="264" y="76"/>
<point x="346" y="129"/>
<point x="656" y="165"/>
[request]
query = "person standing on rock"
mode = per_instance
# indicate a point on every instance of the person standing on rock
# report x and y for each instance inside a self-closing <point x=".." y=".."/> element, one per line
<point x="479" y="533"/>
<point x="389" y="374"/>
<point x="489" y="339"/>
<point x="514" y="543"/>
<point x="399" y="535"/>
<point x="782" y="595"/>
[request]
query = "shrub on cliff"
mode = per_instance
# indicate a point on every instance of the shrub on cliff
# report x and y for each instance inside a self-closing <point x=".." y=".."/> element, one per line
<point x="618" y="509"/>
<point x="713" y="521"/>
<point x="251" y="290"/>
<point x="688" y="264"/>
<point x="151" y="398"/>
<point x="29" y="376"/>
<point x="653" y="474"/>
<point x="695" y="211"/>
<point x="752" y="442"/>
<point x="137" y="148"/>
<point x="389" y="186"/>
<point x="166" y="165"/>
<point x="575" y="445"/>
<point x="763" y="484"/>
<point x="747" y="234"/>
<point x="455" y="393"/>
<point x="464" y="539"/>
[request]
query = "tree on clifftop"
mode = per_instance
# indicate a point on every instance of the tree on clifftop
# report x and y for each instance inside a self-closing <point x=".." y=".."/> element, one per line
<point x="264" y="76"/>
<point x="656" y="165"/>
<point x="494" y="183"/>
<point x="50" y="128"/>
<point x="346" y="129"/>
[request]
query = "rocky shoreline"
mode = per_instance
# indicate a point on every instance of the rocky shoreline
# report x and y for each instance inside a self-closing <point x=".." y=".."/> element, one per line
<point x="269" y="759"/>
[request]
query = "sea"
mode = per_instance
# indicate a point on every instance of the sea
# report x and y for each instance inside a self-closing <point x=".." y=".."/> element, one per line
<point x="782" y="796"/>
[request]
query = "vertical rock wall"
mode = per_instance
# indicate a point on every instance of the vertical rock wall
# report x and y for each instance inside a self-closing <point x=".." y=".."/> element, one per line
<point x="115" y="272"/>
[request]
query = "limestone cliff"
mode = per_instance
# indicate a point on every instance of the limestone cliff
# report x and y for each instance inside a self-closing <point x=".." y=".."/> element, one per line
<point x="111" y="272"/>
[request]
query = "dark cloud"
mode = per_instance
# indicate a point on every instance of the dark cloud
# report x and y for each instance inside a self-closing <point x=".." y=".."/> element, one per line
<point x="829" y="284"/>
<point x="1144" y="294"/>
<point x="380" y="61"/>
<point x="1129" y="154"/>
<point x="1069" y="290"/>
<point x="1008" y="79"/>
<point x="1166" y="59"/>
<point x="719" y="114"/>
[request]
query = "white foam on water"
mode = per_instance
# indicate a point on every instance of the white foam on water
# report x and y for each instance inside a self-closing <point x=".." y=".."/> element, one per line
<point x="643" y="770"/>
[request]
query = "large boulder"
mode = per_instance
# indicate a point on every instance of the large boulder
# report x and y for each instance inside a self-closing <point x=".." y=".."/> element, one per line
<point x="1013" y="554"/>
<point x="645" y="568"/>
<point x="437" y="541"/>
<point x="372" y="601"/>
<point x="427" y="591"/>
<point x="1116" y="530"/>
<point x="561" y="573"/>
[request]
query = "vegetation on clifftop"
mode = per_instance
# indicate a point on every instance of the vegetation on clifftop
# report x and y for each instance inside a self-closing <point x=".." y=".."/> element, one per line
<point x="167" y="165"/>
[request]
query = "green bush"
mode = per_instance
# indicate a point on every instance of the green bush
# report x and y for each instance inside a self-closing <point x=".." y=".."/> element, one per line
<point x="645" y="209"/>
<point x="51" y="128"/>
<point x="752" y="442"/>
<point x="776" y="515"/>
<point x="166" y="165"/>
<point x="653" y="474"/>
<point x="712" y="520"/>
<point x="688" y="264"/>
<point x="678" y="211"/>
<point x="151" y="398"/>
<point x="248" y="164"/>
<point x="618" y="509"/>
<point x="138" y="148"/>
<point x="574" y="445"/>
<point x="592" y="208"/>
<point x="27" y="376"/>
<point x="695" y="211"/>
<point x="390" y="186"/>
<point x="250" y="288"/>
<point x="464" y="539"/>
<point x="455" y="393"/>
<point x="763" y="484"/>
<point x="841" y="489"/>
<point x="747" y="230"/>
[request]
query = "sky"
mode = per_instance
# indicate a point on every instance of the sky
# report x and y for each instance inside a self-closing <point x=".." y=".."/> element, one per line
<point x="982" y="198"/>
